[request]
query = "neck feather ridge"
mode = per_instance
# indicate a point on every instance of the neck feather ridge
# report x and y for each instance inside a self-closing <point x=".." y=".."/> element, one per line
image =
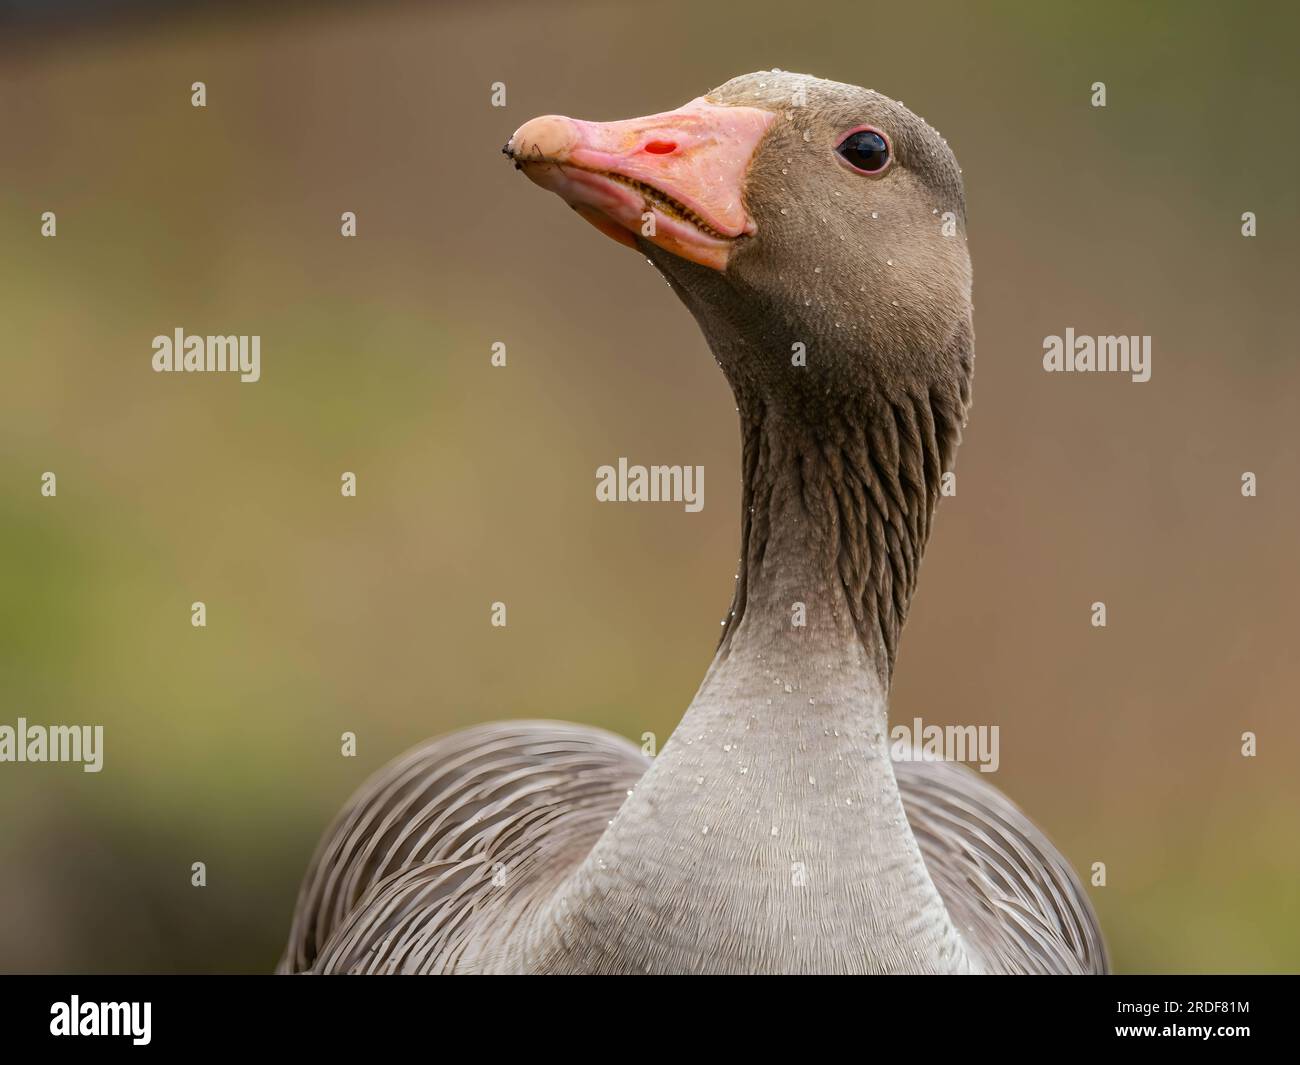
<point x="842" y="506"/>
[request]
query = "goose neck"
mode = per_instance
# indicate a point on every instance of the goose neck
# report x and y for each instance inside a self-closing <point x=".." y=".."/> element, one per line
<point x="836" y="513"/>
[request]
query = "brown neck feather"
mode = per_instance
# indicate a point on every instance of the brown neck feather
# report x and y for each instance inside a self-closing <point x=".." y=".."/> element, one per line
<point x="846" y="502"/>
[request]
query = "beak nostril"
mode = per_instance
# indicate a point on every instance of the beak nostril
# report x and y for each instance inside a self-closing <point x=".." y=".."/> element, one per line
<point x="661" y="147"/>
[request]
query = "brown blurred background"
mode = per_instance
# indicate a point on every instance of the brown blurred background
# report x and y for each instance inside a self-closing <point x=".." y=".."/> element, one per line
<point x="477" y="484"/>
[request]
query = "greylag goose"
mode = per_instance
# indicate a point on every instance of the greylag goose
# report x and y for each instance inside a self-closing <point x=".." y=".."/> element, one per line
<point x="774" y="832"/>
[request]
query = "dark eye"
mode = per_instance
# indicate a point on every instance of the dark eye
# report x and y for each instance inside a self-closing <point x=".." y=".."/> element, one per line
<point x="865" y="150"/>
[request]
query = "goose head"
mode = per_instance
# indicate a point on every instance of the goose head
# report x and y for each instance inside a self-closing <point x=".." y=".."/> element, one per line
<point x="786" y="211"/>
<point x="817" y="232"/>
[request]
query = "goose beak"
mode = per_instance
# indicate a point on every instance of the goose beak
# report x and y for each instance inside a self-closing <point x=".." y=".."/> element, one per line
<point x="676" y="179"/>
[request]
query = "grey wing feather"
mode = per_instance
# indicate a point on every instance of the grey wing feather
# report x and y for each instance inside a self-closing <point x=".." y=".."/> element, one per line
<point x="458" y="835"/>
<point x="460" y="831"/>
<point x="1010" y="893"/>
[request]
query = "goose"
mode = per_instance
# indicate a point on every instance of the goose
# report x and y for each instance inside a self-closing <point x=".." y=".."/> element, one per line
<point x="774" y="832"/>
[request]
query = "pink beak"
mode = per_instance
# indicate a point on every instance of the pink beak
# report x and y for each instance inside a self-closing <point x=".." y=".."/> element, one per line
<point x="677" y="179"/>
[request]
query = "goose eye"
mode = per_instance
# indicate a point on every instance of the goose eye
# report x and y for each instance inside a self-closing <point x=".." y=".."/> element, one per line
<point x="865" y="150"/>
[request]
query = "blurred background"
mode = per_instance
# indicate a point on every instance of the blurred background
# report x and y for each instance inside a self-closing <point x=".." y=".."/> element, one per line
<point x="476" y="484"/>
